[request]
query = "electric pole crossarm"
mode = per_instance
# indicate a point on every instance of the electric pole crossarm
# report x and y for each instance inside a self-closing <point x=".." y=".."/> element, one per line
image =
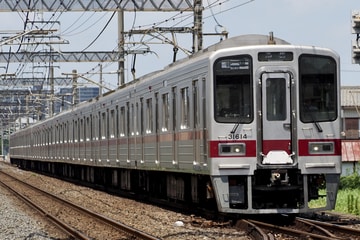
<point x="95" y="5"/>
<point x="26" y="82"/>
<point x="64" y="56"/>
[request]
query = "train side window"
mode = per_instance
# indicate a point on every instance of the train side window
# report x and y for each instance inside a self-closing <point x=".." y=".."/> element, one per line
<point x="82" y="130"/>
<point x="103" y="126"/>
<point x="122" y="129"/>
<point x="196" y="103"/>
<point x="149" y="116"/>
<point x="61" y="132"/>
<point x="318" y="88"/>
<point x="184" y="111"/>
<point x="127" y="117"/>
<point x="57" y="133"/>
<point x="70" y="132"/>
<point x="165" y="112"/>
<point x="76" y="133"/>
<point x="117" y="119"/>
<point x="141" y="116"/>
<point x="112" y="124"/>
<point x="98" y="126"/>
<point x="137" y="119"/>
<point x="88" y="129"/>
<point x="233" y="93"/>
<point x="132" y="122"/>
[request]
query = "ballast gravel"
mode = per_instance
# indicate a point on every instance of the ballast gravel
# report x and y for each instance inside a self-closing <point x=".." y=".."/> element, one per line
<point x="19" y="223"/>
<point x="16" y="224"/>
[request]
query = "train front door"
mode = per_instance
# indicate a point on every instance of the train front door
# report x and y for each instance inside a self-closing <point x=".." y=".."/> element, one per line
<point x="276" y="147"/>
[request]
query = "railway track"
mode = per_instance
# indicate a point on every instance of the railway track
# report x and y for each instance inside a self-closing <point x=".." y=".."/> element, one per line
<point x="300" y="229"/>
<point x="76" y="221"/>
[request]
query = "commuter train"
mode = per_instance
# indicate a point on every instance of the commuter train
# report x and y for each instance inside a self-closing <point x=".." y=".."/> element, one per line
<point x="250" y="125"/>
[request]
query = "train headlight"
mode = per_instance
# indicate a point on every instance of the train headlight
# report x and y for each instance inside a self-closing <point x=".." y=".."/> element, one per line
<point x="321" y="147"/>
<point x="232" y="149"/>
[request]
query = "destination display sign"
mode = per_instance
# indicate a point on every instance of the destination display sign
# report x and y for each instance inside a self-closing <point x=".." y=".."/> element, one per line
<point x="275" y="56"/>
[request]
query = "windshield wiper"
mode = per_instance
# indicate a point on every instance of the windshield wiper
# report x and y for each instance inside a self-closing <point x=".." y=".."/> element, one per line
<point x="317" y="125"/>
<point x="312" y="117"/>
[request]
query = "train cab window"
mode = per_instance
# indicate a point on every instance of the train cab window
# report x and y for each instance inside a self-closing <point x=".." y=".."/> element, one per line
<point x="276" y="99"/>
<point x="233" y="89"/>
<point x="318" y="88"/>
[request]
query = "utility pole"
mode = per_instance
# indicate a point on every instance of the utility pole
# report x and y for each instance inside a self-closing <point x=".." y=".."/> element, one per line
<point x="52" y="92"/>
<point x="121" y="42"/>
<point x="101" y="81"/>
<point x="197" y="35"/>
<point x="74" y="86"/>
<point x="355" y="24"/>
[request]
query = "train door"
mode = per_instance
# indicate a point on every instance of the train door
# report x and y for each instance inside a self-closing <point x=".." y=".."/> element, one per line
<point x="196" y="129"/>
<point x="157" y="127"/>
<point x="276" y="118"/>
<point x="142" y="132"/>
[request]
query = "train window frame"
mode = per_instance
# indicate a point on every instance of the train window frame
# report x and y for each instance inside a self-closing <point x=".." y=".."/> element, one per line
<point x="226" y="70"/>
<point x="314" y="107"/>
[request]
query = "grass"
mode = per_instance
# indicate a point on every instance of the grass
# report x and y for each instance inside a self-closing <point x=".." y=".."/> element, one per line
<point x="348" y="197"/>
<point x="348" y="201"/>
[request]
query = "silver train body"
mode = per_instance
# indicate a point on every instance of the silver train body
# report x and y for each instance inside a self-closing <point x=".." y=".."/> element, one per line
<point x="248" y="126"/>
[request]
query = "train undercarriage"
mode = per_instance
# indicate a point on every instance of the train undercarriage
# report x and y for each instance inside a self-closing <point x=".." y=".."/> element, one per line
<point x="285" y="190"/>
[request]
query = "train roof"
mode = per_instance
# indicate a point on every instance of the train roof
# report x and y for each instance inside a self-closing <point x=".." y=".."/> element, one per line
<point x="238" y="41"/>
<point x="247" y="40"/>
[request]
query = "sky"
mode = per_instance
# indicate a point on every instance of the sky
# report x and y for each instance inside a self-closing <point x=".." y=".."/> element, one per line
<point x="324" y="23"/>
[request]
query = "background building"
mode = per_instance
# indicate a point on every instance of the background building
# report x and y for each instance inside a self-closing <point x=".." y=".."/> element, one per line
<point x="350" y="113"/>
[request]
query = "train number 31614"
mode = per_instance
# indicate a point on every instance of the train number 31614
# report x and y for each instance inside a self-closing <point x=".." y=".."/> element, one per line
<point x="237" y="136"/>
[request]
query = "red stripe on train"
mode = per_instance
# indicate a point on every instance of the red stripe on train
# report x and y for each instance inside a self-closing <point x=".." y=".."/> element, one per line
<point x="304" y="147"/>
<point x="250" y="147"/>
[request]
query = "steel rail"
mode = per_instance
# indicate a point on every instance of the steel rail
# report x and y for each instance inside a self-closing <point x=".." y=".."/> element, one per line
<point x="62" y="225"/>
<point x="118" y="225"/>
<point x="253" y="230"/>
<point x="293" y="232"/>
<point x="316" y="226"/>
<point x="336" y="227"/>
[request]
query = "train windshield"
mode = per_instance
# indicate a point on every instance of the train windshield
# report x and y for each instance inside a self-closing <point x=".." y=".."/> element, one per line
<point x="318" y="88"/>
<point x="233" y="92"/>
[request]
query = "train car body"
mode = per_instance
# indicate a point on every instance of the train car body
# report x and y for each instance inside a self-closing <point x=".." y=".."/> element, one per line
<point x="250" y="125"/>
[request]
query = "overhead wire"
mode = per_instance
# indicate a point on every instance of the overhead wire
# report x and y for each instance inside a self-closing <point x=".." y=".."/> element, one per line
<point x="102" y="30"/>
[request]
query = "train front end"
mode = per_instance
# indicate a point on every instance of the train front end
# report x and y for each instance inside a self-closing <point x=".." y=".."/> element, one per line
<point x="275" y="132"/>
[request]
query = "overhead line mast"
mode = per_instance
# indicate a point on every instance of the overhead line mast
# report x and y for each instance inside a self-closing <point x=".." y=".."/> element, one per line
<point x="119" y="6"/>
